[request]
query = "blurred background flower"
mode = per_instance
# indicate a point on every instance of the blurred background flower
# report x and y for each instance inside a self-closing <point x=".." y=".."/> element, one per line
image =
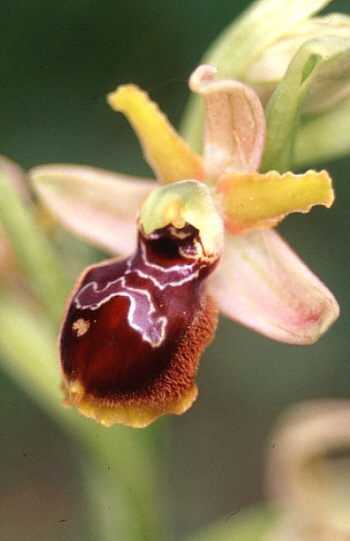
<point x="59" y="59"/>
<point x="308" y="472"/>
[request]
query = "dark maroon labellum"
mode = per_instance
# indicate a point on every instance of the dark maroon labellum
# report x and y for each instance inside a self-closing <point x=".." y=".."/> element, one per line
<point x="136" y="327"/>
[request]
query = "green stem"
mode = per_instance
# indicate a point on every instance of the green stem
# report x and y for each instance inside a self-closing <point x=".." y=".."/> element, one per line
<point x="122" y="460"/>
<point x="125" y="494"/>
<point x="33" y="250"/>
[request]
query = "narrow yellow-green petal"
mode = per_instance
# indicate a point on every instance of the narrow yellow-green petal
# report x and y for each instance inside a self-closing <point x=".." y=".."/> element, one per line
<point x="168" y="155"/>
<point x="253" y="200"/>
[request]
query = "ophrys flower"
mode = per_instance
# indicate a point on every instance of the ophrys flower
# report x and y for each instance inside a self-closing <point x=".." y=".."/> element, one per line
<point x="136" y="327"/>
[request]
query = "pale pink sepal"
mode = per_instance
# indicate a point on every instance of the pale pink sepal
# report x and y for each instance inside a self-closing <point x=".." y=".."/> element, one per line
<point x="264" y="285"/>
<point x="98" y="205"/>
<point x="234" y="135"/>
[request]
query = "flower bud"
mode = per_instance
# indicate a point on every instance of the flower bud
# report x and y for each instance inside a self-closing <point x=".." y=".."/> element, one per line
<point x="332" y="82"/>
<point x="298" y="65"/>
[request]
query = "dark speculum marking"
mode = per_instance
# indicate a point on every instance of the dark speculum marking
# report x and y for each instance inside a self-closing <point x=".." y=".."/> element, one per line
<point x="136" y="327"/>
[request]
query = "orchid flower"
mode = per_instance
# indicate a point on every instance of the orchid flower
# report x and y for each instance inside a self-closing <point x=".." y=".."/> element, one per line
<point x="136" y="327"/>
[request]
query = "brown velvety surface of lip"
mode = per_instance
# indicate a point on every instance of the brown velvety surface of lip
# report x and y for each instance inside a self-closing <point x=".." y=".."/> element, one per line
<point x="136" y="327"/>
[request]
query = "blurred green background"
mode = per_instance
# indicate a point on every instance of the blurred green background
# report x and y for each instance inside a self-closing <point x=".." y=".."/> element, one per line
<point x="58" y="61"/>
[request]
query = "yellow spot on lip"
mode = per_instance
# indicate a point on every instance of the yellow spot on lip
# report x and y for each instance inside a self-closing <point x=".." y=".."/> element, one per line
<point x="81" y="326"/>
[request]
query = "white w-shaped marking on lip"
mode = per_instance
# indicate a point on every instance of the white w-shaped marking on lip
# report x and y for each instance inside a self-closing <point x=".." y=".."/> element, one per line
<point x="138" y="314"/>
<point x="143" y="309"/>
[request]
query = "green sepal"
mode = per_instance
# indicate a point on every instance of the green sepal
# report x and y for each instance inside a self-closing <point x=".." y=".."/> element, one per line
<point x="323" y="137"/>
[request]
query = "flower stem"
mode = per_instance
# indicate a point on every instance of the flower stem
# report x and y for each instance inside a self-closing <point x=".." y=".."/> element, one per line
<point x="121" y="461"/>
<point x="33" y="250"/>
